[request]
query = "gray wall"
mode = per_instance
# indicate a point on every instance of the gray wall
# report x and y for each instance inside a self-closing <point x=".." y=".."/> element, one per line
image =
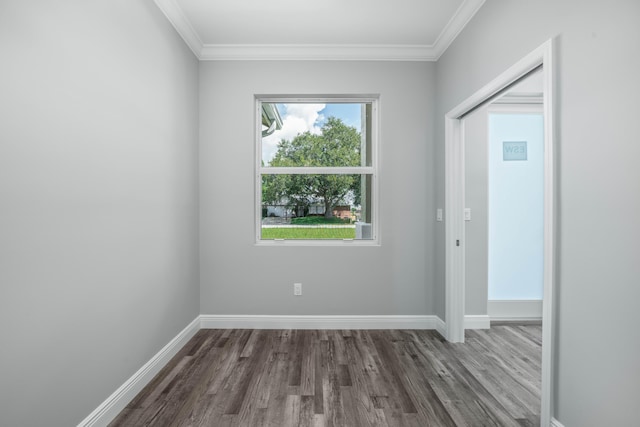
<point x="238" y="277"/>
<point x="476" y="153"/>
<point x="98" y="201"/>
<point x="598" y="183"/>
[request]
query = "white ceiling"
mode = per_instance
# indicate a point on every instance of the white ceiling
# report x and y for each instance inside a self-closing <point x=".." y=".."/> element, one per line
<point x="328" y="29"/>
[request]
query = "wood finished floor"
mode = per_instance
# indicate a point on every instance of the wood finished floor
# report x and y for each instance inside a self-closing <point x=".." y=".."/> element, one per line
<point x="346" y="378"/>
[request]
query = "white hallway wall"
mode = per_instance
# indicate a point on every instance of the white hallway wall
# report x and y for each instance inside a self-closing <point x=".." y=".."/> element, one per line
<point x="516" y="208"/>
<point x="598" y="185"/>
<point x="393" y="279"/>
<point x="98" y="201"/>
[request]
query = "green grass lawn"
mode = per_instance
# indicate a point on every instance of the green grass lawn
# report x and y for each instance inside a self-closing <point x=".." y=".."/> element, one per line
<point x="308" y="233"/>
<point x="312" y="220"/>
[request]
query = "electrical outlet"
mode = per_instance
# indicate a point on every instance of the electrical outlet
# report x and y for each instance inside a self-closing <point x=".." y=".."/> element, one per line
<point x="297" y="289"/>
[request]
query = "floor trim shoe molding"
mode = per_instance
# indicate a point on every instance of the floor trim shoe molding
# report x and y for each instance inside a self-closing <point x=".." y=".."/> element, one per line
<point x="320" y="322"/>
<point x="555" y="423"/>
<point x="114" y="404"/>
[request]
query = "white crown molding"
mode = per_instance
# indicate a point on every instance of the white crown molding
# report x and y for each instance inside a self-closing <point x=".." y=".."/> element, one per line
<point x="456" y="24"/>
<point x="520" y="98"/>
<point x="114" y="404"/>
<point x="318" y="322"/>
<point x="181" y="23"/>
<point x="318" y="52"/>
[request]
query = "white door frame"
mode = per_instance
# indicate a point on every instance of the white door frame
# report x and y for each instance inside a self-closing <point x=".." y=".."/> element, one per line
<point x="454" y="208"/>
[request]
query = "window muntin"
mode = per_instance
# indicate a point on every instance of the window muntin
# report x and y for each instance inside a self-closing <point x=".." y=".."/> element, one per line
<point x="316" y="172"/>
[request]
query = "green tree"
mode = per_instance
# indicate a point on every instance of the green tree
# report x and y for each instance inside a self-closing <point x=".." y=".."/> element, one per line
<point x="337" y="145"/>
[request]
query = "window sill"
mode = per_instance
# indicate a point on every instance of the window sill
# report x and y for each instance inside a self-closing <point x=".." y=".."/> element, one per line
<point x="333" y="243"/>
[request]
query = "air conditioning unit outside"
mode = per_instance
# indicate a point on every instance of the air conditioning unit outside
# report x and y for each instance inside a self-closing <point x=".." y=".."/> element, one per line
<point x="363" y="231"/>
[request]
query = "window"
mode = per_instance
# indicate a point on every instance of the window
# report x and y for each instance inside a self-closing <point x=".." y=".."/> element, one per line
<point x="316" y="170"/>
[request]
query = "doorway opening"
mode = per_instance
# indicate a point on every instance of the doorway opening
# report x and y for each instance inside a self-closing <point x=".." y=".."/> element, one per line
<point x="504" y="183"/>
<point x="515" y="212"/>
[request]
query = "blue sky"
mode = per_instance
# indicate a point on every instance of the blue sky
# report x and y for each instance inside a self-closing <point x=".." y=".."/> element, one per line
<point x="349" y="113"/>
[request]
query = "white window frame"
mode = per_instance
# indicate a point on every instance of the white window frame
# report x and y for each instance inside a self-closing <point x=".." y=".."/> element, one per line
<point x="359" y="170"/>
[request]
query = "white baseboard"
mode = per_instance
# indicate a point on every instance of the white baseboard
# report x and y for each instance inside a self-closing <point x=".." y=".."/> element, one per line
<point x="114" y="404"/>
<point x="477" y="322"/>
<point x="320" y="322"/>
<point x="441" y="327"/>
<point x="515" y="310"/>
<point x="555" y="423"/>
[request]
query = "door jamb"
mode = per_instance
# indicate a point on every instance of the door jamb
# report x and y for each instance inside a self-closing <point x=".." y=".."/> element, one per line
<point x="454" y="208"/>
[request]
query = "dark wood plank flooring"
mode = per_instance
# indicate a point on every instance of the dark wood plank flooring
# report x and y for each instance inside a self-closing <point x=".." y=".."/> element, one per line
<point x="346" y="378"/>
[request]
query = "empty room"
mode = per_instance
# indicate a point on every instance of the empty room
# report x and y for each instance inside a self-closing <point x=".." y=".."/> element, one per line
<point x="294" y="213"/>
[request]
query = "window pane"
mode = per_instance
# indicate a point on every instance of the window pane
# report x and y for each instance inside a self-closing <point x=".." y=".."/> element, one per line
<point x="314" y="206"/>
<point x="308" y="135"/>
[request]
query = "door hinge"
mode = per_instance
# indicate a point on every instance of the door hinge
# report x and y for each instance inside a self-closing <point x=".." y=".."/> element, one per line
<point x="457" y="242"/>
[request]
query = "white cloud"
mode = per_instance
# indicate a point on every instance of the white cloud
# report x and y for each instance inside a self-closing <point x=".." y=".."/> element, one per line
<point x="297" y="119"/>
